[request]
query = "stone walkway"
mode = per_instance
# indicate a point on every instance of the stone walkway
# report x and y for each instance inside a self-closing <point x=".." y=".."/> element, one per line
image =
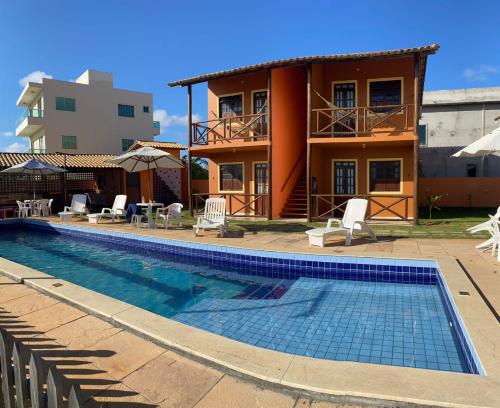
<point x="115" y="368"/>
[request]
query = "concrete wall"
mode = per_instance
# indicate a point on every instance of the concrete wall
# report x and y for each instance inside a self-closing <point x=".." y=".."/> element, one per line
<point x="95" y="122"/>
<point x="455" y="119"/>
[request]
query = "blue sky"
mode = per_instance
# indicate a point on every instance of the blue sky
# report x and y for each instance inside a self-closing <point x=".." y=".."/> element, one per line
<point x="147" y="43"/>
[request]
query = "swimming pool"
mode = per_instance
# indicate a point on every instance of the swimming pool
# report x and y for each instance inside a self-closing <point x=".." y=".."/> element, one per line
<point x="382" y="311"/>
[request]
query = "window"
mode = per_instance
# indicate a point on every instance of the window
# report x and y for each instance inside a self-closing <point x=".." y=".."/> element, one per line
<point x="230" y="106"/>
<point x="231" y="177"/>
<point x="145" y="109"/>
<point x="471" y="170"/>
<point x="69" y="142"/>
<point x="384" y="93"/>
<point x="126" y="111"/>
<point x="65" y="104"/>
<point x="126" y="144"/>
<point x="344" y="177"/>
<point x="422" y="135"/>
<point x="385" y="176"/>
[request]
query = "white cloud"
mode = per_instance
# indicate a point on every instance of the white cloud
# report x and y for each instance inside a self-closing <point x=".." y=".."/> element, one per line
<point x="8" y="134"/>
<point x="480" y="74"/>
<point x="16" y="148"/>
<point x="166" y="120"/>
<point x="35" y="76"/>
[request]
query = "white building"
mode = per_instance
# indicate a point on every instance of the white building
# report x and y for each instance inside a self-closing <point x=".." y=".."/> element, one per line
<point x="452" y="119"/>
<point x="85" y="116"/>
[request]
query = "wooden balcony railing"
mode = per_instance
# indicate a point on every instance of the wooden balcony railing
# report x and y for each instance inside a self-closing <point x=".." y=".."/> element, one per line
<point x="225" y="130"/>
<point x="237" y="204"/>
<point x="388" y="206"/>
<point x="361" y="121"/>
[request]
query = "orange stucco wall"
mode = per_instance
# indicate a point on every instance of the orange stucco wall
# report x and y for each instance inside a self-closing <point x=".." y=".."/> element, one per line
<point x="461" y="191"/>
<point x="322" y="169"/>
<point x="289" y="128"/>
<point x="361" y="72"/>
<point x="248" y="158"/>
<point x="244" y="84"/>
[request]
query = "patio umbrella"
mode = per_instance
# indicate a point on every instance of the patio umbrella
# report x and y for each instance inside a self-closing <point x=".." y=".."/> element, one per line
<point x="488" y="144"/>
<point x="145" y="159"/>
<point x="34" y="167"/>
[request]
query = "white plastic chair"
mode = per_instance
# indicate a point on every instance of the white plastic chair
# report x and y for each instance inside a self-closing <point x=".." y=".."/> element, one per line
<point x="173" y="215"/>
<point x="41" y="208"/>
<point x="49" y="205"/>
<point x="24" y="209"/>
<point x="353" y="221"/>
<point x="214" y="216"/>
<point x="116" y="211"/>
<point x="78" y="205"/>
<point x="485" y="226"/>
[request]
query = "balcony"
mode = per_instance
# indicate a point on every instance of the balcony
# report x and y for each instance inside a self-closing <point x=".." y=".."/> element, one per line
<point x="29" y="122"/>
<point x="156" y="124"/>
<point x="224" y="131"/>
<point x="361" y="121"/>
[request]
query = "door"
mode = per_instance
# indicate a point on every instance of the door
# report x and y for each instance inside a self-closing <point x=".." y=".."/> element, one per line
<point x="344" y="184"/>
<point x="260" y="106"/>
<point x="260" y="187"/>
<point x="344" y="97"/>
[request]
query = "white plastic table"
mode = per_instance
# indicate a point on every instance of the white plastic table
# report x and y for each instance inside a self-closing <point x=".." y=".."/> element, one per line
<point x="149" y="212"/>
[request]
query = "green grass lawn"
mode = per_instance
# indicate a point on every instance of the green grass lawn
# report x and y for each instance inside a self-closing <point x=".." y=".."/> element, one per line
<point x="445" y="223"/>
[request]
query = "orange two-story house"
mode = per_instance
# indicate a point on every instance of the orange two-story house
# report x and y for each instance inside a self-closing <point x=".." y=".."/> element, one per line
<point x="297" y="138"/>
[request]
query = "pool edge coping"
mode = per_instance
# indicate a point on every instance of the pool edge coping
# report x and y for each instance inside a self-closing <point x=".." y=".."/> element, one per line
<point x="34" y="279"/>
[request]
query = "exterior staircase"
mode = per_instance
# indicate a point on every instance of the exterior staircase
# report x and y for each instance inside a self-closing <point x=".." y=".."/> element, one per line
<point x="296" y="204"/>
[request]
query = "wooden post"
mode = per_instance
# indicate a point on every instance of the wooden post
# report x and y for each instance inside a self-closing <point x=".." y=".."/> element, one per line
<point x="308" y="156"/>
<point x="416" y="114"/>
<point x="6" y="370"/>
<point x="269" y="149"/>
<point x="36" y="382"/>
<point x="75" y="399"/>
<point x="20" y="378"/>
<point x="190" y="137"/>
<point x="54" y="389"/>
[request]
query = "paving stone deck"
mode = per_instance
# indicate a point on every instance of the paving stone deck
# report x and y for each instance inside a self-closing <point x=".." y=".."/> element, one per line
<point x="118" y="369"/>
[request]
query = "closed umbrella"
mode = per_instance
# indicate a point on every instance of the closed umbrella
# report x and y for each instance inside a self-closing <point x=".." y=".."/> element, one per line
<point x="145" y="159"/>
<point x="34" y="167"/>
<point x="488" y="144"/>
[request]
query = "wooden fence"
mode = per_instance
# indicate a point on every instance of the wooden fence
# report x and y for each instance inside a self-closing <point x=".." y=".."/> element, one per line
<point x="24" y="387"/>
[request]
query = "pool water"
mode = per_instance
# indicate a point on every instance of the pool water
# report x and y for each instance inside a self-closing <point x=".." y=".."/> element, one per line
<point x="377" y="322"/>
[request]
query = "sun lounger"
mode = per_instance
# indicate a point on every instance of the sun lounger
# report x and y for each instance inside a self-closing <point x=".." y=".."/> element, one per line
<point x="214" y="216"/>
<point x="116" y="211"/>
<point x="353" y="221"/>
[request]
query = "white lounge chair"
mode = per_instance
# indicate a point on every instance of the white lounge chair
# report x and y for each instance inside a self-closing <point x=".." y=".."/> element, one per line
<point x="485" y="226"/>
<point x="116" y="211"/>
<point x="214" y="216"/>
<point x="78" y="206"/>
<point x="353" y="221"/>
<point x="170" y="215"/>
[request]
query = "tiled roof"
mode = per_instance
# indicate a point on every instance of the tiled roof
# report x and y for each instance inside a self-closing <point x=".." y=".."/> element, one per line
<point x="82" y="161"/>
<point x="425" y="50"/>
<point x="157" y="145"/>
